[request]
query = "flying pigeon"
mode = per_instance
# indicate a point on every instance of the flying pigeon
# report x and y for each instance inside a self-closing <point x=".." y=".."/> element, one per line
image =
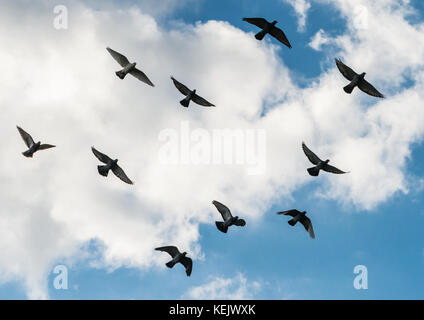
<point x="299" y="216"/>
<point x="356" y="80"/>
<point x="110" y="165"/>
<point x="128" y="68"/>
<point x="268" y="27"/>
<point x="177" y="256"/>
<point x="319" y="164"/>
<point x="229" y="220"/>
<point x="190" y="95"/>
<point x="33" y="147"/>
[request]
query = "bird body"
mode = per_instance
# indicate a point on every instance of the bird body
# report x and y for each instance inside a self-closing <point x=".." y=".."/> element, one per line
<point x="190" y="95"/>
<point x="319" y="164"/>
<point x="356" y="80"/>
<point x="128" y="68"/>
<point x="110" y="164"/>
<point x="268" y="28"/>
<point x="299" y="216"/>
<point x="177" y="257"/>
<point x="33" y="147"/>
<point x="229" y="220"/>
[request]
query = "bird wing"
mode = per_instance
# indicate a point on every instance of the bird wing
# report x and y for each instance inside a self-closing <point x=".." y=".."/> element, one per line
<point x="188" y="264"/>
<point x="121" y="59"/>
<point x="332" y="169"/>
<point x="182" y="88"/>
<point x="368" y="88"/>
<point x="292" y="213"/>
<point x="117" y="170"/>
<point x="347" y="72"/>
<point x="45" y="146"/>
<point x="279" y="34"/>
<point x="223" y="210"/>
<point x="26" y="137"/>
<point x="199" y="100"/>
<point x="259" y="22"/>
<point x="311" y="156"/>
<point x="308" y="226"/>
<point x="172" y="250"/>
<point x="101" y="156"/>
<point x="140" y="75"/>
<point x="240" y="222"/>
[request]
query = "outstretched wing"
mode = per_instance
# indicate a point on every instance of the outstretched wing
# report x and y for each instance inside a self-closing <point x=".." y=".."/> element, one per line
<point x="188" y="264"/>
<point x="121" y="59"/>
<point x="240" y="222"/>
<point x="117" y="170"/>
<point x="347" y="72"/>
<point x="332" y="169"/>
<point x="140" y="75"/>
<point x="199" y="100"/>
<point x="311" y="156"/>
<point x="182" y="88"/>
<point x="26" y="137"/>
<point x="172" y="250"/>
<point x="278" y="34"/>
<point x="102" y="157"/>
<point x="223" y="210"/>
<point x="259" y="22"/>
<point x="308" y="226"/>
<point x="368" y="88"/>
<point x="46" y="146"/>
<point x="291" y="213"/>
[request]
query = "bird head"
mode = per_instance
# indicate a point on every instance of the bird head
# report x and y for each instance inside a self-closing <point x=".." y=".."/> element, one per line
<point x="194" y="91"/>
<point x="274" y="22"/>
<point x="38" y="143"/>
<point x="362" y="74"/>
<point x="184" y="253"/>
<point x="304" y="212"/>
<point x="115" y="161"/>
<point x="327" y="161"/>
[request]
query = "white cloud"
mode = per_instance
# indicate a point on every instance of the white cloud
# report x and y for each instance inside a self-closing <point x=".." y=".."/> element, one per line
<point x="61" y="87"/>
<point x="301" y="8"/>
<point x="236" y="288"/>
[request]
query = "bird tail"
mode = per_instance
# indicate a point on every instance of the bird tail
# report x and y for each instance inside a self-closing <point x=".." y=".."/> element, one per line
<point x="185" y="102"/>
<point x="170" y="264"/>
<point x="103" y="170"/>
<point x="349" y="88"/>
<point x="27" y="154"/>
<point x="221" y="227"/>
<point x="121" y="74"/>
<point x="260" y="35"/>
<point x="292" y="222"/>
<point x="314" y="171"/>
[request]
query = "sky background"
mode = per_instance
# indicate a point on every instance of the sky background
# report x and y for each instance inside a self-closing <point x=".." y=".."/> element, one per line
<point x="60" y="86"/>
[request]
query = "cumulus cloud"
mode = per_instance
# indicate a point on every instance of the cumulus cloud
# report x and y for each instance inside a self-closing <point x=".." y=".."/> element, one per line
<point x="301" y="8"/>
<point x="60" y="86"/>
<point x="236" y="288"/>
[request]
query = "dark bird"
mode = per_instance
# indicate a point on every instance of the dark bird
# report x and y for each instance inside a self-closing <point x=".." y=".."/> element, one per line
<point x="268" y="27"/>
<point x="319" y="164"/>
<point x="190" y="95"/>
<point x="299" y="216"/>
<point x="110" y="165"/>
<point x="356" y="80"/>
<point x="128" y="68"/>
<point x="33" y="147"/>
<point x="177" y="256"/>
<point x="229" y="220"/>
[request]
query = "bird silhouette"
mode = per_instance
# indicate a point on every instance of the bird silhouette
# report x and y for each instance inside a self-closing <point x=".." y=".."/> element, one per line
<point x="319" y="164"/>
<point x="128" y="68"/>
<point x="110" y="165"/>
<point x="356" y="80"/>
<point x="32" y="146"/>
<point x="302" y="218"/>
<point x="190" y="95"/>
<point x="177" y="257"/>
<point x="268" y="28"/>
<point x="229" y="220"/>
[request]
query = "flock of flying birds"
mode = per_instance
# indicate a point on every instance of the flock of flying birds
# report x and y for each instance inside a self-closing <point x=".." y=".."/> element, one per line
<point x="356" y="80"/>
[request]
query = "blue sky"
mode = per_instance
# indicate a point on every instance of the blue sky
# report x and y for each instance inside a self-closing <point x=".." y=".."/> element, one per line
<point x="276" y="260"/>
